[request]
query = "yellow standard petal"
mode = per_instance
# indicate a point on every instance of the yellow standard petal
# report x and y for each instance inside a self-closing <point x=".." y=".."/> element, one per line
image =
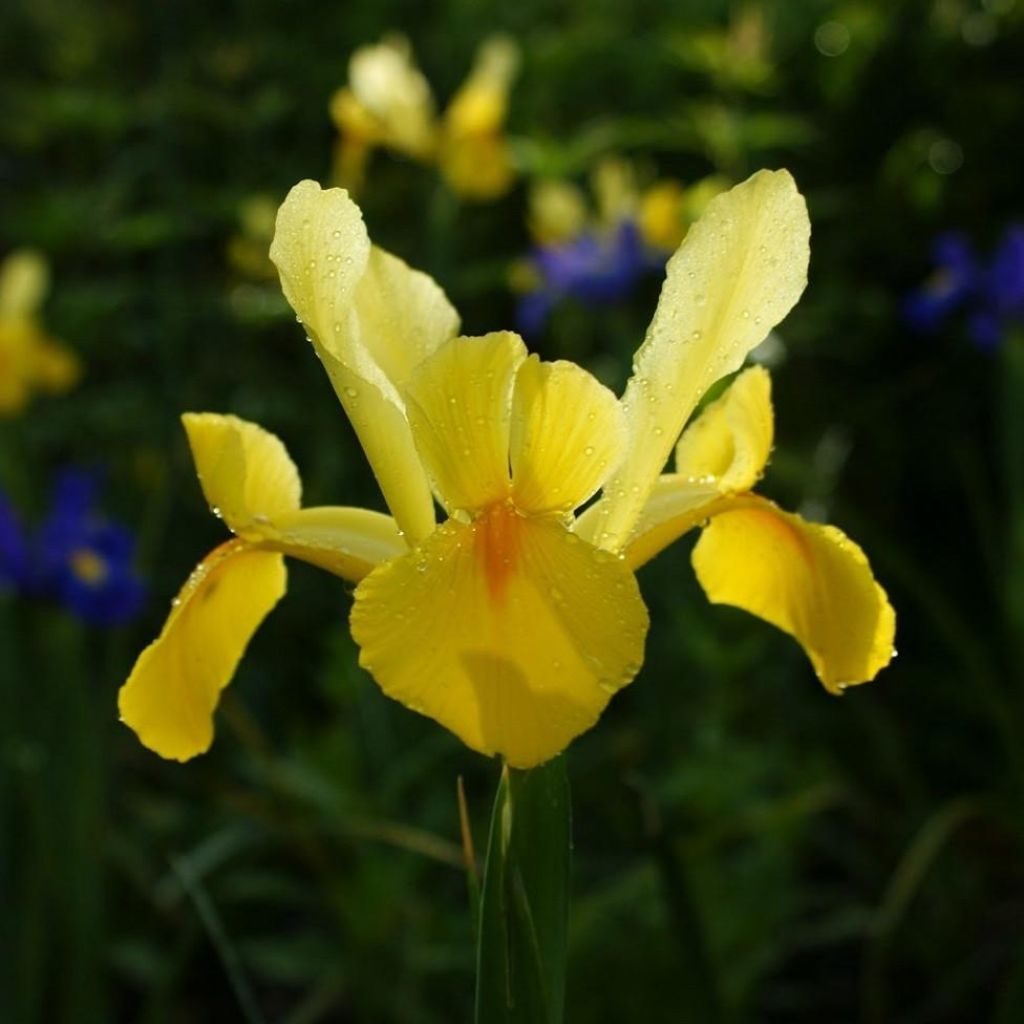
<point x="372" y="319"/>
<point x="460" y="410"/>
<point x="811" y="581"/>
<point x="245" y="471"/>
<point x="568" y="433"/>
<point x="739" y="271"/>
<point x="173" y="690"/>
<point x="481" y="104"/>
<point x="509" y="631"/>
<point x="475" y="158"/>
<point x="393" y="92"/>
<point x="24" y="278"/>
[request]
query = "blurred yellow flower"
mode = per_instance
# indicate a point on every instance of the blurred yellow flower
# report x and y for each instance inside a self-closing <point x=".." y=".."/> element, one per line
<point x="559" y="211"/>
<point x="388" y="103"/>
<point x="515" y="621"/>
<point x="248" y="250"/>
<point x="30" y="360"/>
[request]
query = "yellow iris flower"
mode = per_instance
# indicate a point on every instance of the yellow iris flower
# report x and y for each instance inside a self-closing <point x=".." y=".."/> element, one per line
<point x="388" y="103"/>
<point x="30" y="360"/>
<point x="663" y="210"/>
<point x="514" y="621"/>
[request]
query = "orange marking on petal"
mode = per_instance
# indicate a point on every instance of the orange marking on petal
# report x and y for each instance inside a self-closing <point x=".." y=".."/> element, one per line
<point x="497" y="545"/>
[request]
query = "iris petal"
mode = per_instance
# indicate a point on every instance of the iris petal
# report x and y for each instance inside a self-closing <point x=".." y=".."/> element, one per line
<point x="372" y="319"/>
<point x="509" y="631"/>
<point x="568" y="433"/>
<point x="245" y="471"/>
<point x="731" y="440"/>
<point x="811" y="581"/>
<point x="24" y="279"/>
<point x="739" y="271"/>
<point x="174" y="688"/>
<point x="348" y="542"/>
<point x="460" y="409"/>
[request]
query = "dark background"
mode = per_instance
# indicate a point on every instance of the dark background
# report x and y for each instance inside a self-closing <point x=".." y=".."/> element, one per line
<point x="738" y="832"/>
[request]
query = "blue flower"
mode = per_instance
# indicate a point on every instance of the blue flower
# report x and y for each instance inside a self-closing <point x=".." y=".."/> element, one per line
<point x="83" y="560"/>
<point x="594" y="267"/>
<point x="75" y="556"/>
<point x="953" y="281"/>
<point x="992" y="296"/>
<point x="1005" y="279"/>
<point x="15" y="569"/>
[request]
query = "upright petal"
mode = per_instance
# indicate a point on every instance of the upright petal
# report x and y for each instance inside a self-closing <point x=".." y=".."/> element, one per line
<point x="739" y="271"/>
<point x="245" y="471"/>
<point x="320" y="249"/>
<point x="403" y="315"/>
<point x="811" y="581"/>
<point x="383" y="430"/>
<point x="568" y="433"/>
<point x="460" y="410"/>
<point x="509" y="631"/>
<point x="481" y="104"/>
<point x="173" y="690"/>
<point x="389" y="86"/>
<point x="24" y="278"/>
<point x="372" y="319"/>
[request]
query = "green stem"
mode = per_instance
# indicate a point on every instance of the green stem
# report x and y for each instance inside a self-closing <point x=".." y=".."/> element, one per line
<point x="524" y="910"/>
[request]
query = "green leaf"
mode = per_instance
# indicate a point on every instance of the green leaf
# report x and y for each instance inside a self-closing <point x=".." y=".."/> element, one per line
<point x="524" y="913"/>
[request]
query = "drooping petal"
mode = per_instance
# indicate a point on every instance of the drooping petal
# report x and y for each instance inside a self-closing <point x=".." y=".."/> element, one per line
<point x="173" y="690"/>
<point x="24" y="278"/>
<point x="811" y="581"/>
<point x="739" y="271"/>
<point x="460" y="409"/>
<point x="568" y="433"/>
<point x="348" y="542"/>
<point x="509" y="631"/>
<point x="372" y="319"/>
<point x="245" y="471"/>
<point x="731" y="440"/>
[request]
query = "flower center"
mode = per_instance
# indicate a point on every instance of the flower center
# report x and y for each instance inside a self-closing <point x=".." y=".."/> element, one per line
<point x="89" y="567"/>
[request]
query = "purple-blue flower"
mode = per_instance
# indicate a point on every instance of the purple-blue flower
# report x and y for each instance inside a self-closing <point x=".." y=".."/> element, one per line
<point x="594" y="267"/>
<point x="14" y="550"/>
<point x="992" y="296"/>
<point x="76" y="556"/>
<point x="953" y="280"/>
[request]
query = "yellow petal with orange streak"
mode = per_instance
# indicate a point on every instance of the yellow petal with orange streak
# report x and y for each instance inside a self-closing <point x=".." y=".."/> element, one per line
<point x="810" y="580"/>
<point x="509" y="631"/>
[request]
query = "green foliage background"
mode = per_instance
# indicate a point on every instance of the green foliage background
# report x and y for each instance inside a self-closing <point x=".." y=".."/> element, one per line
<point x="747" y="849"/>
